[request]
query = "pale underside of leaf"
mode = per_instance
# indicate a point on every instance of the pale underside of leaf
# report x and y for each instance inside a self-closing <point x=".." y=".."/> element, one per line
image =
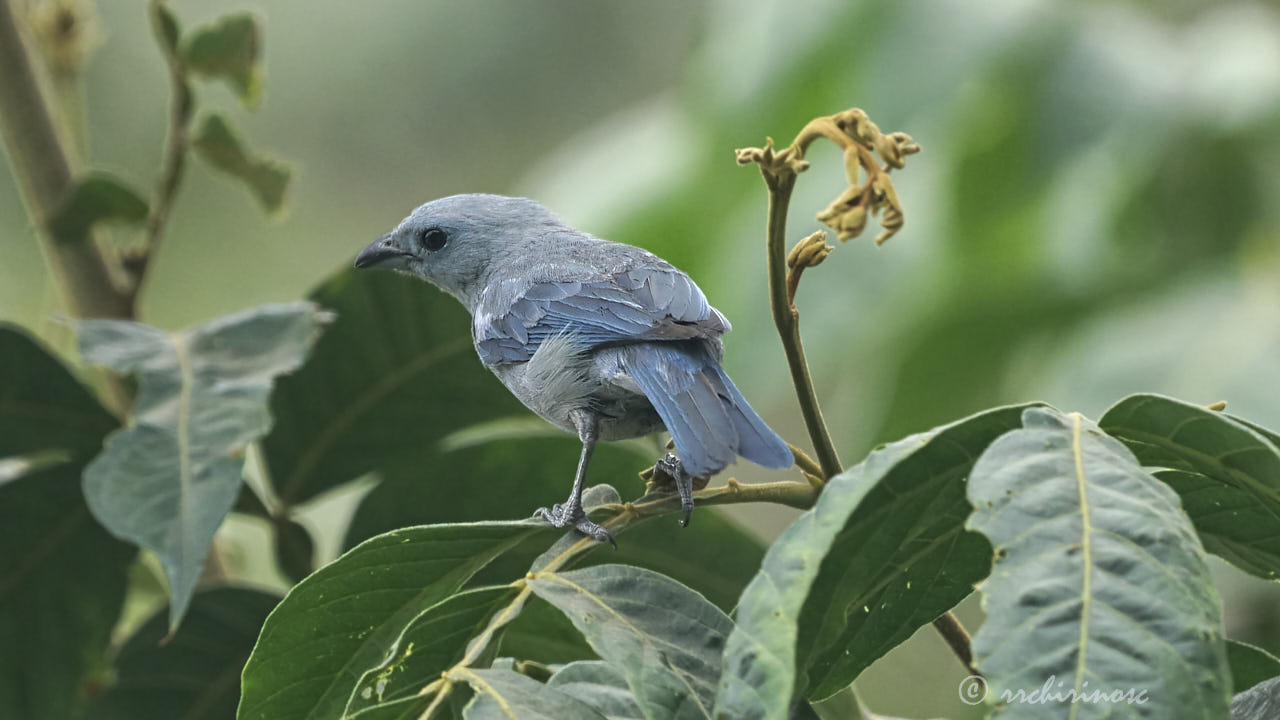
<point x="1099" y="586"/>
<point x="167" y="480"/>
<point x="664" y="638"/>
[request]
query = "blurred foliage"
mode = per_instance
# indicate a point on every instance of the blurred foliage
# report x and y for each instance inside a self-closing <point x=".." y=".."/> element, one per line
<point x="1092" y="214"/>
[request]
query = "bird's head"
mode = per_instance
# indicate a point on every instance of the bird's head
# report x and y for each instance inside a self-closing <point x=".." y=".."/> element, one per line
<point x="452" y="242"/>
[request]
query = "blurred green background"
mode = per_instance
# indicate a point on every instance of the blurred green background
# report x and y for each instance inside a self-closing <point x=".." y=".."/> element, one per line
<point x="1094" y="213"/>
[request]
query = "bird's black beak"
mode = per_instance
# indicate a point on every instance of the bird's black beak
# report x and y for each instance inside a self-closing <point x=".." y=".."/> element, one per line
<point x="378" y="251"/>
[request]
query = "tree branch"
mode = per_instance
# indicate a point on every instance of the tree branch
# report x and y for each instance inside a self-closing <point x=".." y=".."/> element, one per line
<point x="45" y="174"/>
<point x="795" y="494"/>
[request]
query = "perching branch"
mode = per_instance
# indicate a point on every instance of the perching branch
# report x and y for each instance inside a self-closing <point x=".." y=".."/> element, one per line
<point x="45" y="173"/>
<point x="625" y="515"/>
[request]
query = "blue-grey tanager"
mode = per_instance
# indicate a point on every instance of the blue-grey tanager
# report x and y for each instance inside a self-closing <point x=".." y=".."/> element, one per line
<point x="599" y="338"/>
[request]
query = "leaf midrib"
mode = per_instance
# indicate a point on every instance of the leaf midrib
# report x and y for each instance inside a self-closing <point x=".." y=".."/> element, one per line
<point x="1086" y="554"/>
<point x="182" y="353"/>
<point x="1266" y="496"/>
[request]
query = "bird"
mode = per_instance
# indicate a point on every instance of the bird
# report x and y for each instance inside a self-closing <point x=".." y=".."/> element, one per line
<point x="599" y="338"/>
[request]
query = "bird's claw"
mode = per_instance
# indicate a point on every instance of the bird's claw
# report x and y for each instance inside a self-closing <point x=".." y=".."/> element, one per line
<point x="672" y="467"/>
<point x="560" y="516"/>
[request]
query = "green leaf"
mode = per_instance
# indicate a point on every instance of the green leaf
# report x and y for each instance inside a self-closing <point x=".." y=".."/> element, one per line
<point x="62" y="577"/>
<point x="883" y="552"/>
<point x="393" y="375"/>
<point x="1099" y="578"/>
<point x="599" y="685"/>
<point x="94" y="198"/>
<point x="196" y="673"/>
<point x="1250" y="665"/>
<point x="1260" y="702"/>
<point x="1228" y="474"/>
<point x="543" y="634"/>
<point x="42" y="406"/>
<point x="62" y="587"/>
<point x="228" y="49"/>
<point x="430" y="644"/>
<point x="409" y="708"/>
<point x="345" y="618"/>
<point x="502" y="695"/>
<point x="167" y="480"/>
<point x="220" y="146"/>
<point x="666" y="639"/>
<point x="903" y="556"/>
<point x="845" y="705"/>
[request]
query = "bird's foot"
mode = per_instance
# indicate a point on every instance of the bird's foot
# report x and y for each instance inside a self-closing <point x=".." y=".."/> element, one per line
<point x="674" y="469"/>
<point x="561" y="516"/>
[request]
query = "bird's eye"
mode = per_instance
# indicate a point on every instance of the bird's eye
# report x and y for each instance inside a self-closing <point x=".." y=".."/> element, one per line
<point x="433" y="239"/>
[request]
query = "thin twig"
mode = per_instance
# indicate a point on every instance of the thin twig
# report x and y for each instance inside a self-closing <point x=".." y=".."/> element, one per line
<point x="787" y="320"/>
<point x="807" y="464"/>
<point x="957" y="638"/>
<point x="175" y="153"/>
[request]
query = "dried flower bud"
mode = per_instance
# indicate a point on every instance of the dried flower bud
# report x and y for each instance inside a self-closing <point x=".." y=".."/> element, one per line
<point x="810" y="252"/>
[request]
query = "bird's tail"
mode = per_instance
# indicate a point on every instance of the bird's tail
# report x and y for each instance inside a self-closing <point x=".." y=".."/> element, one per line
<point x="709" y="420"/>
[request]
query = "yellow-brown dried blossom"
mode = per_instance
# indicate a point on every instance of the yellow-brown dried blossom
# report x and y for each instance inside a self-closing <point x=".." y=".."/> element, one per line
<point x="870" y="192"/>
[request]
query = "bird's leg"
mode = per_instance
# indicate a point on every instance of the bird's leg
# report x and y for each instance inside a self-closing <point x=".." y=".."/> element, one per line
<point x="673" y="468"/>
<point x="571" y="512"/>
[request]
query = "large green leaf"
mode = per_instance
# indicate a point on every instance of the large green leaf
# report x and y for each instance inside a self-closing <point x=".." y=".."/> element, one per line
<point x="599" y="685"/>
<point x="42" y="407"/>
<point x="409" y="708"/>
<point x="393" y="375"/>
<point x="666" y="639"/>
<point x="1260" y="702"/>
<point x="345" y="618"/>
<point x="903" y="556"/>
<point x="883" y="552"/>
<point x="430" y="644"/>
<point x="62" y="586"/>
<point x="167" y="480"/>
<point x="1100" y="584"/>
<point x="1227" y="473"/>
<point x="62" y="577"/>
<point x="196" y="673"/>
<point x="503" y="695"/>
<point x="1250" y="665"/>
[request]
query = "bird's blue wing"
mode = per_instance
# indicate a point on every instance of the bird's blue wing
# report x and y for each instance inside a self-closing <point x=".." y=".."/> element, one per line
<point x="636" y="305"/>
